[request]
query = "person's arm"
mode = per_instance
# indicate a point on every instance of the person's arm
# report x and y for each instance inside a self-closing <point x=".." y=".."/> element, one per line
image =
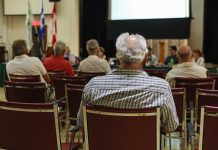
<point x="107" y="67"/>
<point x="169" y="118"/>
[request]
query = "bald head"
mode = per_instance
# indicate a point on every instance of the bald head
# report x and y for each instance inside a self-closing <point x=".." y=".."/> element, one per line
<point x="184" y="54"/>
<point x="131" y="48"/>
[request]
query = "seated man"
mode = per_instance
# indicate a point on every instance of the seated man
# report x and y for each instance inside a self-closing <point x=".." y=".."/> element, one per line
<point x="93" y="63"/>
<point x="57" y="61"/>
<point x="171" y="59"/>
<point x="22" y="64"/>
<point x="186" y="67"/>
<point x="131" y="87"/>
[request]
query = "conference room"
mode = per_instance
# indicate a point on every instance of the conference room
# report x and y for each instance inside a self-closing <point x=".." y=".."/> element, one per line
<point x="110" y="74"/>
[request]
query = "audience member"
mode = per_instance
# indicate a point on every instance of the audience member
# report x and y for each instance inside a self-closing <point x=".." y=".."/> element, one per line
<point x="198" y="57"/>
<point x="22" y="64"/>
<point x="171" y="59"/>
<point x="152" y="59"/>
<point x="186" y="67"/>
<point x="57" y="62"/>
<point x="70" y="57"/>
<point x="101" y="53"/>
<point x="93" y="63"/>
<point x="131" y="87"/>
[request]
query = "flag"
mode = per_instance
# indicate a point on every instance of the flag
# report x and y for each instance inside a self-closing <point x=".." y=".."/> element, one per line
<point x="42" y="27"/>
<point x="53" y="25"/>
<point x="28" y="24"/>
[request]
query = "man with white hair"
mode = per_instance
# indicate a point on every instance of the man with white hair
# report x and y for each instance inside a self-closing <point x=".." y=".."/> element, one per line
<point x="131" y="87"/>
<point x="93" y="63"/>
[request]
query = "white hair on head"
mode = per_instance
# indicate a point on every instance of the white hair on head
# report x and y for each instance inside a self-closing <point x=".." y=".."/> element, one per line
<point x="131" y="48"/>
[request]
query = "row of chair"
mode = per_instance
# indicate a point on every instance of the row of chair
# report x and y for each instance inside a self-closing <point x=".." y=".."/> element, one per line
<point x="181" y="112"/>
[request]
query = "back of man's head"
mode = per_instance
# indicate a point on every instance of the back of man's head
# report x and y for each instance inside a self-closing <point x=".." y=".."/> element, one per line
<point x="59" y="48"/>
<point x="131" y="48"/>
<point x="184" y="53"/>
<point x="92" y="46"/>
<point x="19" y="47"/>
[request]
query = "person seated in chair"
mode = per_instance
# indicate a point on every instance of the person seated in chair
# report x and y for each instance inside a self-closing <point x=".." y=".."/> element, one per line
<point x="186" y="67"/>
<point x="57" y="62"/>
<point x="93" y="63"/>
<point x="171" y="59"/>
<point x="22" y="64"/>
<point x="130" y="86"/>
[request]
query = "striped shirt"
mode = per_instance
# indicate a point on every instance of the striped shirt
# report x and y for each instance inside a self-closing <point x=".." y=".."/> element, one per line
<point x="132" y="89"/>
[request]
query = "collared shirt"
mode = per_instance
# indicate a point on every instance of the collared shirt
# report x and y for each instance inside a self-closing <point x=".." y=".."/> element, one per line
<point x="132" y="89"/>
<point x="58" y="63"/>
<point x="187" y="70"/>
<point x="25" y="65"/>
<point x="94" y="64"/>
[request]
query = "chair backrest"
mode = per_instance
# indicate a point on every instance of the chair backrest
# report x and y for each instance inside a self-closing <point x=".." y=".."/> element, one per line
<point x="90" y="75"/>
<point x="208" y="128"/>
<point x="121" y="129"/>
<point x="29" y="126"/>
<point x="26" y="92"/>
<point x="157" y="73"/>
<point x="55" y="73"/>
<point x="204" y="97"/>
<point x="191" y="84"/>
<point x="60" y="81"/>
<point x="179" y="99"/>
<point x="24" y="78"/>
<point x="215" y="77"/>
<point x="73" y="94"/>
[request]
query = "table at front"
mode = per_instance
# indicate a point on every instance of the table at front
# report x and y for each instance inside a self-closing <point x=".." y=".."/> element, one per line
<point x="3" y="73"/>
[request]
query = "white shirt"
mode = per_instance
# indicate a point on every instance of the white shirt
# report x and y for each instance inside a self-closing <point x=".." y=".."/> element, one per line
<point x="25" y="65"/>
<point x="186" y="69"/>
<point x="94" y="64"/>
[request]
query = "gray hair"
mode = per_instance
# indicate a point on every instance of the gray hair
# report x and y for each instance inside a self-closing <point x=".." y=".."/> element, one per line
<point x="184" y="52"/>
<point x="131" y="48"/>
<point x="19" y="47"/>
<point x="59" y="48"/>
<point x="92" y="45"/>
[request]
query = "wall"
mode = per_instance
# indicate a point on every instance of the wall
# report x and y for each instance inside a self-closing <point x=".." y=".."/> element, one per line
<point x="13" y="27"/>
<point x="196" y="39"/>
<point x="67" y="25"/>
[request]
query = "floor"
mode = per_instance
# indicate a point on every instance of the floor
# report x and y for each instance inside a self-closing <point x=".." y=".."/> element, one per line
<point x="175" y="142"/>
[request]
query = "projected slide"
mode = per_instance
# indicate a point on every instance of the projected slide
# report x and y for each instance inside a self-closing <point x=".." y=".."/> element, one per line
<point x="148" y="9"/>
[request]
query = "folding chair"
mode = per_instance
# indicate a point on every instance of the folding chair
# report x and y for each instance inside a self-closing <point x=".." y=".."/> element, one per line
<point x="90" y="75"/>
<point x="60" y="81"/>
<point x="157" y="73"/>
<point x="24" y="78"/>
<point x="208" y="128"/>
<point x="121" y="129"/>
<point x="204" y="97"/>
<point x="26" y="92"/>
<point x="73" y="100"/>
<point x="180" y="103"/>
<point x="191" y="84"/>
<point x="55" y="73"/>
<point x="30" y="126"/>
<point x="215" y="77"/>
